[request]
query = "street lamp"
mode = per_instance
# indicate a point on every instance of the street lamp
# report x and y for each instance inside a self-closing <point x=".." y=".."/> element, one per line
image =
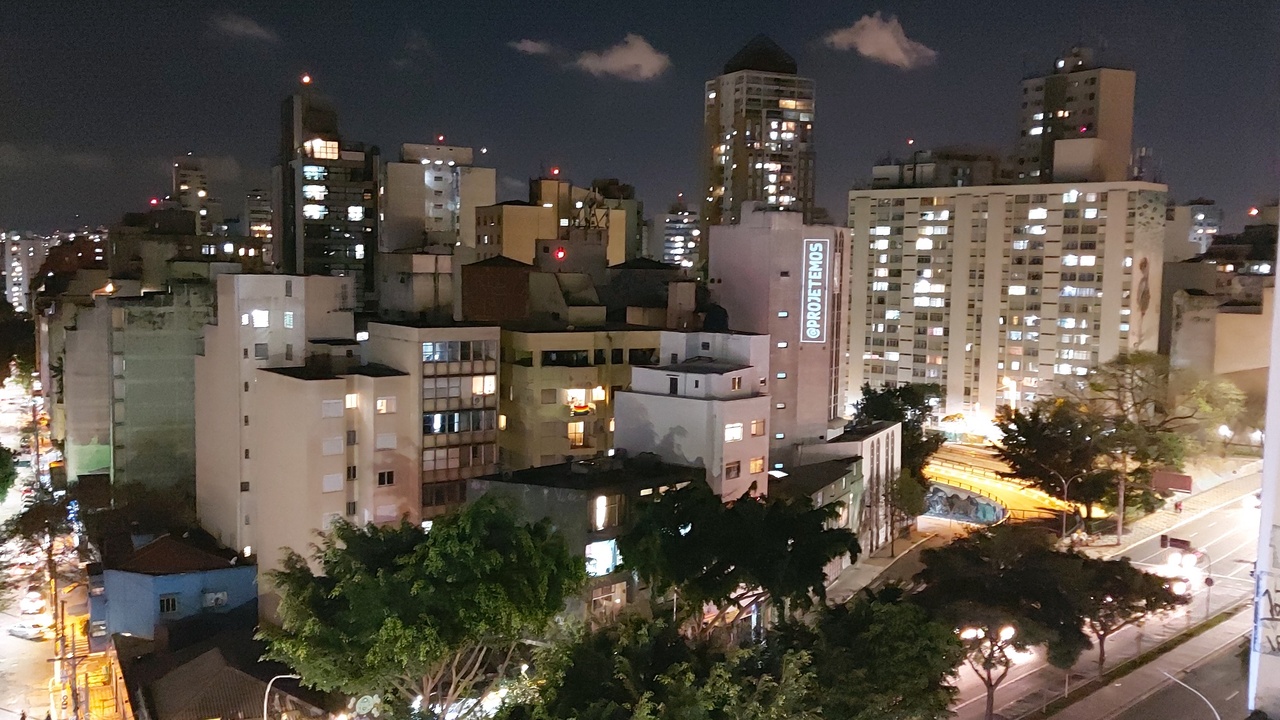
<point x="267" y="694"/>
<point x="1225" y="433"/>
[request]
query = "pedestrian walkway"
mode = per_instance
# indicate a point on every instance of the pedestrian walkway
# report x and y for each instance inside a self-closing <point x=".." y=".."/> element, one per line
<point x="1143" y="528"/>
<point x="1141" y="683"/>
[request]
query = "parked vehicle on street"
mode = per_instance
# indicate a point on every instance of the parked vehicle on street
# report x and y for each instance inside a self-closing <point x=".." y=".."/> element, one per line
<point x="30" y="630"/>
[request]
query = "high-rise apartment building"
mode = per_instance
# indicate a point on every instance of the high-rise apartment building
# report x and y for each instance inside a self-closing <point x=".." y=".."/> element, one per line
<point x="191" y="193"/>
<point x="1001" y="293"/>
<point x="257" y="213"/>
<point x="23" y="255"/>
<point x="325" y="199"/>
<point x="555" y="210"/>
<point x="1076" y="123"/>
<point x="431" y="196"/>
<point x="776" y="276"/>
<point x="758" y="141"/>
<point x="262" y="321"/>
<point x="1190" y="228"/>
<point x="681" y="235"/>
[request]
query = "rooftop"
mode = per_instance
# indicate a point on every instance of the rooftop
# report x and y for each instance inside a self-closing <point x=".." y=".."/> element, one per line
<point x="550" y="325"/>
<point x="318" y="372"/>
<point x="643" y="264"/>
<point x="167" y="555"/>
<point x="761" y="53"/>
<point x="642" y="471"/>
<point x="500" y="261"/>
<point x="862" y="432"/>
<point x="703" y="366"/>
<point x="807" y="480"/>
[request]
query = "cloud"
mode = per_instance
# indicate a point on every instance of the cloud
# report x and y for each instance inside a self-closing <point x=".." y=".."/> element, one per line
<point x="882" y="40"/>
<point x="240" y="27"/>
<point x="532" y="47"/>
<point x="413" y="54"/>
<point x="19" y="159"/>
<point x="632" y="59"/>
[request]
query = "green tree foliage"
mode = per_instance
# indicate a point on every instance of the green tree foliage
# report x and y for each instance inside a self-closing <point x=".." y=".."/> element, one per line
<point x="906" y="495"/>
<point x="876" y="658"/>
<point x="1115" y="594"/>
<point x="17" y="341"/>
<point x="639" y="669"/>
<point x="39" y="529"/>
<point x="1006" y="589"/>
<point x="910" y="405"/>
<point x="734" y="555"/>
<point x="1056" y="443"/>
<point x="8" y="470"/>
<point x="399" y="612"/>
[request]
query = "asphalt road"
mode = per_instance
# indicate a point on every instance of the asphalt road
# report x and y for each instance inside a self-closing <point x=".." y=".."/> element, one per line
<point x="1221" y="678"/>
<point x="1229" y="535"/>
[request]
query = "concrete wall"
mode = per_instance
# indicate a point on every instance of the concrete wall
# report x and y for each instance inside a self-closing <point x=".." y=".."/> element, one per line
<point x="87" y="389"/>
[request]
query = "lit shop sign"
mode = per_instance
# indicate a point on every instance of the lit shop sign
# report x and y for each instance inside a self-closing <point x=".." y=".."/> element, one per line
<point x="813" y="298"/>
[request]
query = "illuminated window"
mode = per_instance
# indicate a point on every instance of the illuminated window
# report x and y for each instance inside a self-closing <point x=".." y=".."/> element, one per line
<point x="352" y="400"/>
<point x="314" y="192"/>
<point x="757" y="428"/>
<point x="1036" y="130"/>
<point x="757" y="465"/>
<point x="261" y="318"/>
<point x="1037" y="213"/>
<point x="597" y="394"/>
<point x="502" y="422"/>
<point x="732" y="432"/>
<point x="385" y="405"/>
<point x="359" y="252"/>
<point x="735" y="382"/>
<point x="732" y="470"/>
<point x="1088" y="260"/>
<point x="314" y="172"/>
<point x="322" y="149"/>
<point x="244" y="319"/>
<point x="924" y="244"/>
<point x="355" y="213"/>
<point x="783" y="313"/>
<point x="1017" y="289"/>
<point x="484" y="384"/>
<point x="1090" y="213"/>
<point x="577" y="434"/>
<point x="314" y="212"/>
<point x="288" y="319"/>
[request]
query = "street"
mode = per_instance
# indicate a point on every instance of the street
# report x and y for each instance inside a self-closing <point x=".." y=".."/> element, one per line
<point x="1221" y="678"/>
<point x="1229" y="536"/>
<point x="26" y="666"/>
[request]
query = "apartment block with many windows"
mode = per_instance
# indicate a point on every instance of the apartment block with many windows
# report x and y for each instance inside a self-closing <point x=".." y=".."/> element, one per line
<point x="455" y="371"/>
<point x="559" y="387"/>
<point x="1001" y="294"/>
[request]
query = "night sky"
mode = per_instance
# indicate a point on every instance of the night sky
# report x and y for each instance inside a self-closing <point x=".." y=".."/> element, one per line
<point x="94" y="102"/>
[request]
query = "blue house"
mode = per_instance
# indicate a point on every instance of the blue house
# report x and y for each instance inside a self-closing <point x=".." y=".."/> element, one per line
<point x="169" y="579"/>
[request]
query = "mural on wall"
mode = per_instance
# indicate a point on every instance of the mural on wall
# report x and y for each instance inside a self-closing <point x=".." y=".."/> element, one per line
<point x="951" y="503"/>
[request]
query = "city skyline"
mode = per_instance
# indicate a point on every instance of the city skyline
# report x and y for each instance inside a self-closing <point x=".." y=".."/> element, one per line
<point x="596" y="94"/>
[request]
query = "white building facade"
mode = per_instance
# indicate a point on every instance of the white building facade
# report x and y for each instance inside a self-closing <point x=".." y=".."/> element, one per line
<point x="681" y="236"/>
<point x="24" y="253"/>
<point x="1001" y="293"/>
<point x="708" y="405"/>
<point x="433" y="192"/>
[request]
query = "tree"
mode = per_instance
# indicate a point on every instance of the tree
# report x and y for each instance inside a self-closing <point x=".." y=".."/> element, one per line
<point x="440" y="615"/>
<point x="1116" y="594"/>
<point x="734" y="555"/>
<point x="38" y="529"/>
<point x="876" y="658"/>
<point x="8" y="471"/>
<point x="17" y="342"/>
<point x="1060" y="447"/>
<point x="638" y="669"/>
<point x="910" y="405"/>
<point x="1005" y="589"/>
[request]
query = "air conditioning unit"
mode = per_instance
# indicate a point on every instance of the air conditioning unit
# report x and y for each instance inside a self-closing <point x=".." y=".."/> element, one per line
<point x="215" y="599"/>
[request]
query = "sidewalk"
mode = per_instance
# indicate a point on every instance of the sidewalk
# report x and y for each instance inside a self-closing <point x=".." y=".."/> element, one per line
<point x="1142" y="682"/>
<point x="904" y="563"/>
<point x="1193" y="506"/>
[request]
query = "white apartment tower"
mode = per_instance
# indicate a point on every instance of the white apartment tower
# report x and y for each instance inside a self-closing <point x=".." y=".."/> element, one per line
<point x="758" y="134"/>
<point x="262" y="321"/>
<point x="707" y="405"/>
<point x="1076" y="123"/>
<point x="431" y="196"/>
<point x="24" y="253"/>
<point x="776" y="276"/>
<point x="1001" y="293"/>
<point x="191" y="192"/>
<point x="681" y="236"/>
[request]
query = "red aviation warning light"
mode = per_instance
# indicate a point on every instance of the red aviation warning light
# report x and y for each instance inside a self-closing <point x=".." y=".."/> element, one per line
<point x="560" y="253"/>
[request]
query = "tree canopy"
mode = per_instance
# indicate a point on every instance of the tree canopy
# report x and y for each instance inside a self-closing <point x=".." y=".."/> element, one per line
<point x="1057" y="445"/>
<point x="909" y="404"/>
<point x="441" y="614"/>
<point x="1006" y="589"/>
<point x="734" y="555"/>
<point x="17" y="342"/>
<point x="8" y="471"/>
<point x="1114" y="594"/>
<point x="876" y="658"/>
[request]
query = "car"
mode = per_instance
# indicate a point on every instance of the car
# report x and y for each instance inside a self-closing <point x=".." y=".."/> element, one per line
<point x="32" y="604"/>
<point x="30" y="630"/>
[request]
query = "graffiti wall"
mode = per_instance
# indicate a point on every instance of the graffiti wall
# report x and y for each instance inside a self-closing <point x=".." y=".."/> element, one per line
<point x="951" y="503"/>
